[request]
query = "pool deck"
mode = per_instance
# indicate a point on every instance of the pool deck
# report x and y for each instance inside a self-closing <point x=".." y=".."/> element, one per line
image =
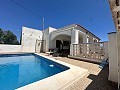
<point x="96" y="80"/>
<point x="82" y="76"/>
<point x="58" y="81"/>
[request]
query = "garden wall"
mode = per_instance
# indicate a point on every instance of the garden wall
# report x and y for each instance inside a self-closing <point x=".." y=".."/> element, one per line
<point x="4" y="48"/>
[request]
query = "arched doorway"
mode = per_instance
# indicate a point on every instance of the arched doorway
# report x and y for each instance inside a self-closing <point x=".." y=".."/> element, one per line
<point x="62" y="42"/>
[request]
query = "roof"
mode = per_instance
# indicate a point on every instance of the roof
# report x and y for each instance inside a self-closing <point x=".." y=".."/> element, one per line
<point x="88" y="31"/>
<point x="79" y="26"/>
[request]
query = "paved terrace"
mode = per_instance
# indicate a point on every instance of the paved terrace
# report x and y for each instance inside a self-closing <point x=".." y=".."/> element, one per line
<point x="97" y="80"/>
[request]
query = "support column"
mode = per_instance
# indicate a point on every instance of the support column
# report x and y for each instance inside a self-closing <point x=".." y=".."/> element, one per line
<point x="88" y="39"/>
<point x="74" y="37"/>
<point x="74" y="40"/>
<point x="71" y="49"/>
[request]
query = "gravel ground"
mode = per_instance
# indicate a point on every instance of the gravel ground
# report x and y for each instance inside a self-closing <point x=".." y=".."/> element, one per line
<point x="96" y="80"/>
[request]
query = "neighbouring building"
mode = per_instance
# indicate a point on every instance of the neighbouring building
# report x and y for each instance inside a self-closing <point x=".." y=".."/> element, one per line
<point x="114" y="43"/>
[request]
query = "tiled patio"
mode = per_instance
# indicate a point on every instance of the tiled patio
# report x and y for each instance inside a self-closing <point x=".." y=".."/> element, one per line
<point x="97" y="80"/>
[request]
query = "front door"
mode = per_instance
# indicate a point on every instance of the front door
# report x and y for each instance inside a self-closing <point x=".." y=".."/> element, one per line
<point x="58" y="44"/>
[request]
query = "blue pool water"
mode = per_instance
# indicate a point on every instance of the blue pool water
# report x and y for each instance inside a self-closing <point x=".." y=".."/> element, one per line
<point x="19" y="70"/>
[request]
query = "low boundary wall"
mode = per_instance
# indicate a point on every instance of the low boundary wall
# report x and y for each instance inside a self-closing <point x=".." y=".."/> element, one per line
<point x="4" y="48"/>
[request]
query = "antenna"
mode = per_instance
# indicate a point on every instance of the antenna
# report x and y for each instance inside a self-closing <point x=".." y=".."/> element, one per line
<point x="43" y="23"/>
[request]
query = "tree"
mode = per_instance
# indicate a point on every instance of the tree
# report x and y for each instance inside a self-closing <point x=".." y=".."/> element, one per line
<point x="1" y="36"/>
<point x="7" y="37"/>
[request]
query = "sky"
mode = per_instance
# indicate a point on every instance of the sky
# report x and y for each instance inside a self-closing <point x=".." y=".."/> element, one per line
<point x="94" y="15"/>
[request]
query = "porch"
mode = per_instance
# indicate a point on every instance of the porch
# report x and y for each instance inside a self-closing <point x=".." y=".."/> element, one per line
<point x="63" y="39"/>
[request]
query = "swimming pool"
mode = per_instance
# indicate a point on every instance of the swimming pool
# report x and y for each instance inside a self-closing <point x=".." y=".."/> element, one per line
<point x="18" y="70"/>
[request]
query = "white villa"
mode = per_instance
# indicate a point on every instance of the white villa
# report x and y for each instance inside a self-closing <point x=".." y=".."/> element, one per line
<point x="36" y="40"/>
<point x="75" y="42"/>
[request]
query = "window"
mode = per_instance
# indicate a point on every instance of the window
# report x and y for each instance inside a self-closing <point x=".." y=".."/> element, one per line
<point x="118" y="14"/>
<point x="117" y="2"/>
<point x="66" y="43"/>
<point x="95" y="40"/>
<point x="118" y="22"/>
<point x="118" y="27"/>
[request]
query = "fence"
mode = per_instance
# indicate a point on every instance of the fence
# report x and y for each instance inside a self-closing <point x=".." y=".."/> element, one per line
<point x="97" y="51"/>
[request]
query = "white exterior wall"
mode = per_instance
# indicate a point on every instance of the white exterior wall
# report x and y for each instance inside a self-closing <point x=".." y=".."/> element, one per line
<point x="29" y="37"/>
<point x="46" y="37"/>
<point x="118" y="51"/>
<point x="84" y="39"/>
<point x="113" y="63"/>
<point x="4" y="48"/>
